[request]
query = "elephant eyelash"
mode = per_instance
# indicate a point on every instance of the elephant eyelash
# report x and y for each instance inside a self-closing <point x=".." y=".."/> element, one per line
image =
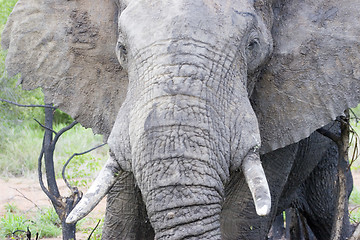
<point x="122" y="49"/>
<point x="252" y="44"/>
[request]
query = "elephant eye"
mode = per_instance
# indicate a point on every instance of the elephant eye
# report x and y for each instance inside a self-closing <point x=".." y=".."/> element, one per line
<point x="253" y="44"/>
<point x="122" y="49"/>
<point x="121" y="53"/>
<point x="253" y="53"/>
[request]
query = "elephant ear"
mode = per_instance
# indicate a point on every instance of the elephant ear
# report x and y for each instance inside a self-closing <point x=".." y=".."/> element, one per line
<point x="68" y="48"/>
<point x="314" y="72"/>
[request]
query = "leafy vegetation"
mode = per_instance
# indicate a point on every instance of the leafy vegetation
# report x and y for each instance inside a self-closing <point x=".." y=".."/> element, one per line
<point x="354" y="208"/>
<point x="6" y="7"/>
<point x="45" y="222"/>
<point x="96" y="235"/>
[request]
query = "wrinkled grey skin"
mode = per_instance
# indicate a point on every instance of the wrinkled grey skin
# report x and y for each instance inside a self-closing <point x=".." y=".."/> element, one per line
<point x="312" y="188"/>
<point x="302" y="175"/>
<point x="176" y="105"/>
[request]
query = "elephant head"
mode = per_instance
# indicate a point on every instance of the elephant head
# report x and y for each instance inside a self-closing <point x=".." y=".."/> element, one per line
<point x="186" y="92"/>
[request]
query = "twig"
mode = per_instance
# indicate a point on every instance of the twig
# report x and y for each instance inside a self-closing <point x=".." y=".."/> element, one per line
<point x="354" y="137"/>
<point x="22" y="105"/>
<point x="45" y="126"/>
<point x="27" y="198"/>
<point x="353" y="113"/>
<point x="68" y="161"/>
<point x="94" y="229"/>
<point x="58" y="134"/>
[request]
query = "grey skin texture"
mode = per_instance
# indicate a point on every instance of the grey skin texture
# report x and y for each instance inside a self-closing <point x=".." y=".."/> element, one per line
<point x="311" y="188"/>
<point x="169" y="85"/>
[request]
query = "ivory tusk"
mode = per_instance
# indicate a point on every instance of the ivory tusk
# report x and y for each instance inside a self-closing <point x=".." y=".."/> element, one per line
<point x="256" y="180"/>
<point x="99" y="188"/>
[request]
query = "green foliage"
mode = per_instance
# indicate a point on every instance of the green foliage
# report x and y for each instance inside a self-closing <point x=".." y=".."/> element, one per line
<point x="11" y="222"/>
<point x="21" y="145"/>
<point x="10" y="115"/>
<point x="19" y="149"/>
<point x="89" y="228"/>
<point x="83" y="168"/>
<point x="45" y="222"/>
<point x="11" y="208"/>
<point x="355" y="206"/>
<point x="6" y="7"/>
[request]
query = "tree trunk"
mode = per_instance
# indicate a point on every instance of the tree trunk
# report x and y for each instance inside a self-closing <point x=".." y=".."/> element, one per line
<point x="342" y="201"/>
<point x="62" y="210"/>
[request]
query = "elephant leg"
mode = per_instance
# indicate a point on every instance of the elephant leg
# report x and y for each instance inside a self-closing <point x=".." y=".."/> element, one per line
<point x="238" y="218"/>
<point x="320" y="195"/>
<point x="277" y="230"/>
<point x="126" y="216"/>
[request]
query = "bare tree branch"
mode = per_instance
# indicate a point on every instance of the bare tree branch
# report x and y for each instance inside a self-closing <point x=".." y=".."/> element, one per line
<point x="68" y="161"/>
<point x="22" y="105"/>
<point x="355" y="116"/>
<point x="94" y="229"/>
<point x="44" y="126"/>
<point x="27" y="198"/>
<point x="58" y="134"/>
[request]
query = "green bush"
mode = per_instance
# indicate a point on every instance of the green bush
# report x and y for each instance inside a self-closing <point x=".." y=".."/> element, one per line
<point x="355" y="206"/>
<point x="45" y="222"/>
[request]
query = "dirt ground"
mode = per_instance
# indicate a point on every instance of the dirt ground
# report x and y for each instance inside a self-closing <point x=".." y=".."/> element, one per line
<point x="26" y="192"/>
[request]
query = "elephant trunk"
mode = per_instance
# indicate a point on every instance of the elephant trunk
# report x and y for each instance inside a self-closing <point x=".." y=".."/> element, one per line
<point x="176" y="167"/>
<point x="179" y="212"/>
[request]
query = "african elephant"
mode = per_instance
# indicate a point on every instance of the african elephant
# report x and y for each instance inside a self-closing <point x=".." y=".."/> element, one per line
<point x="188" y="94"/>
<point x="311" y="190"/>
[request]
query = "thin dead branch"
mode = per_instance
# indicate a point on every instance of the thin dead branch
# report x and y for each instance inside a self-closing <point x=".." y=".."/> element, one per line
<point x="41" y="125"/>
<point x="94" y="229"/>
<point x="30" y="105"/>
<point x="68" y="161"/>
<point x="63" y="130"/>
<point x="22" y="195"/>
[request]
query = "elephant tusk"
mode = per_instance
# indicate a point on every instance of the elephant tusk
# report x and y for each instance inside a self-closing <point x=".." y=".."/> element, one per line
<point x="256" y="180"/>
<point x="99" y="188"/>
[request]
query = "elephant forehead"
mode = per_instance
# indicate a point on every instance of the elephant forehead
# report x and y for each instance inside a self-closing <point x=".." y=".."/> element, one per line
<point x="145" y="22"/>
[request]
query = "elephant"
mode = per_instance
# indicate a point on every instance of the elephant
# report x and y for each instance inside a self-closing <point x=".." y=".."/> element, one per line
<point x="188" y="95"/>
<point x="310" y="194"/>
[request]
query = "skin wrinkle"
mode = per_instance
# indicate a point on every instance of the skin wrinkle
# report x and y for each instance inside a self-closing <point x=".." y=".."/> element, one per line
<point x="160" y="161"/>
<point x="167" y="195"/>
<point x="167" y="53"/>
<point x="169" y="65"/>
<point x="194" y="221"/>
<point x="209" y="140"/>
<point x="185" y="230"/>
